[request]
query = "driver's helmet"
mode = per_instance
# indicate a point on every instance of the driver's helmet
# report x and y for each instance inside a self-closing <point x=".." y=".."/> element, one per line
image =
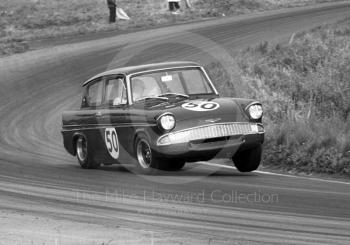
<point x="138" y="88"/>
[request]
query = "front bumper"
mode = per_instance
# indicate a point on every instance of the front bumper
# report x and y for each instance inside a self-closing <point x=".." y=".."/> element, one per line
<point x="209" y="141"/>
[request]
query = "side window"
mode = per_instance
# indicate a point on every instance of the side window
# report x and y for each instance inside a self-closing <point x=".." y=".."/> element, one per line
<point x="116" y="93"/>
<point x="94" y="93"/>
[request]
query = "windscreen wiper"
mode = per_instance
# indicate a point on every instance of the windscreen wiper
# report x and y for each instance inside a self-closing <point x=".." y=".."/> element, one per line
<point x="153" y="98"/>
<point x="185" y="96"/>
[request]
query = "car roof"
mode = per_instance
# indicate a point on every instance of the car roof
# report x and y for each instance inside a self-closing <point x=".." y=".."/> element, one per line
<point x="128" y="70"/>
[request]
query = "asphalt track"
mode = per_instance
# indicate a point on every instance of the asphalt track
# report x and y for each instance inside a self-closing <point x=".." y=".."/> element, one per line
<point x="46" y="198"/>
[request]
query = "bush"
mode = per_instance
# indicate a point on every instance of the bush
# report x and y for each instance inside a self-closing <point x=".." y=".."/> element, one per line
<point x="305" y="88"/>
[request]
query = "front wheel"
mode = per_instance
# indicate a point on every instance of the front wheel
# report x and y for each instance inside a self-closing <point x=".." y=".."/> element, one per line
<point x="248" y="160"/>
<point x="84" y="155"/>
<point x="147" y="163"/>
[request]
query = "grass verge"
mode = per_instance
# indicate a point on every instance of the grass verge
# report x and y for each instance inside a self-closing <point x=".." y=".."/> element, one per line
<point x="24" y="20"/>
<point x="304" y="86"/>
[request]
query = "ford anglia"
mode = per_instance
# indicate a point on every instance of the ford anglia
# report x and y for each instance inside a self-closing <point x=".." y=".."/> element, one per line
<point x="161" y="116"/>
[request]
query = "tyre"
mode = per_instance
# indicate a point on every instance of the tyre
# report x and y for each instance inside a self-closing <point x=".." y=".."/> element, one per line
<point x="248" y="160"/>
<point x="84" y="155"/>
<point x="146" y="161"/>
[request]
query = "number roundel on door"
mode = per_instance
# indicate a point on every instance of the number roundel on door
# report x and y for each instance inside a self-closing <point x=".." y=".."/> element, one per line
<point x="201" y="106"/>
<point x="112" y="143"/>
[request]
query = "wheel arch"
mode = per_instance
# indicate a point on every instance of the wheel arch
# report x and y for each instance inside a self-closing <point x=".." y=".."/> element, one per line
<point x="141" y="131"/>
<point x="75" y="138"/>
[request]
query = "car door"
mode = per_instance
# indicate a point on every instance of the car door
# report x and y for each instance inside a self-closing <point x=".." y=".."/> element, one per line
<point x="114" y="116"/>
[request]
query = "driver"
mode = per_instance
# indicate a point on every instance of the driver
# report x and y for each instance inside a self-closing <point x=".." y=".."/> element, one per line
<point x="138" y="88"/>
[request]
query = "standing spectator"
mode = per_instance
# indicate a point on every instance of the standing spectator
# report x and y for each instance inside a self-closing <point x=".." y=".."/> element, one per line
<point x="174" y="6"/>
<point x="188" y="4"/>
<point x="112" y="5"/>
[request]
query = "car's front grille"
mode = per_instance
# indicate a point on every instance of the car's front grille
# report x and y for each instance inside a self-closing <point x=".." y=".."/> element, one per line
<point x="208" y="131"/>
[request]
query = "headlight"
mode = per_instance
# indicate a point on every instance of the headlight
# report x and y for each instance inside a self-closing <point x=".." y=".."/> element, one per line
<point x="255" y="111"/>
<point x="166" y="122"/>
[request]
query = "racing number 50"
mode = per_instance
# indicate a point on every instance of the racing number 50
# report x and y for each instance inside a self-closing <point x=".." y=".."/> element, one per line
<point x="112" y="144"/>
<point x="201" y="106"/>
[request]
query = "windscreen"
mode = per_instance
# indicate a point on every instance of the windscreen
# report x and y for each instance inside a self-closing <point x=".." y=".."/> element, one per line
<point x="190" y="81"/>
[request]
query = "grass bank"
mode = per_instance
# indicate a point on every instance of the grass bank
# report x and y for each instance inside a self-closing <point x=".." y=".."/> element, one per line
<point x="25" y="20"/>
<point x="305" y="88"/>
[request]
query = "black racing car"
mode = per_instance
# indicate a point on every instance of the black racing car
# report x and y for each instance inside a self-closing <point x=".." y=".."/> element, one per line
<point x="162" y="115"/>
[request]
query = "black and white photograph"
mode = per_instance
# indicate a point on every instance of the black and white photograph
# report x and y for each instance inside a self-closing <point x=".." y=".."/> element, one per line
<point x="180" y="122"/>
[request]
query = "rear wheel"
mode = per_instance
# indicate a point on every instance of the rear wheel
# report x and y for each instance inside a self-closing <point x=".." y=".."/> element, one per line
<point x="83" y="155"/>
<point x="248" y="160"/>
